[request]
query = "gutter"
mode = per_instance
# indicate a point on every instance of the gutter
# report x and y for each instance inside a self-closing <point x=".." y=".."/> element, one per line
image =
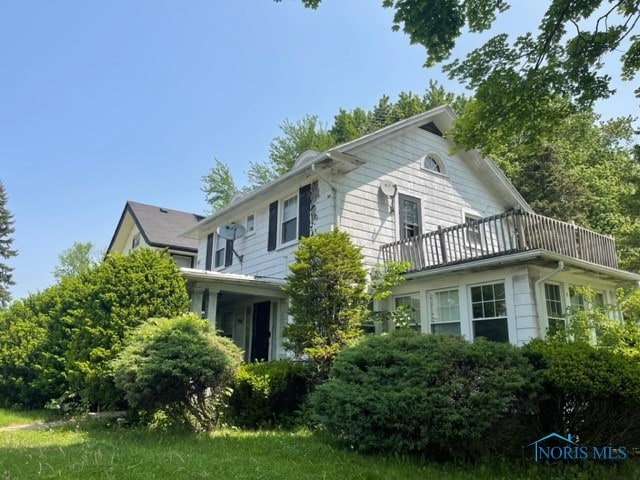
<point x="540" y="298"/>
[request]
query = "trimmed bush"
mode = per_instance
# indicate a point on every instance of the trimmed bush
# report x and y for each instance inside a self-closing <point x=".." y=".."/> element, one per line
<point x="268" y="394"/>
<point x="435" y="395"/>
<point x="592" y="393"/>
<point x="180" y="367"/>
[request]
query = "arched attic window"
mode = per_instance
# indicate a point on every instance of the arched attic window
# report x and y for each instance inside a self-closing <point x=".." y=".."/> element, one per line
<point x="433" y="163"/>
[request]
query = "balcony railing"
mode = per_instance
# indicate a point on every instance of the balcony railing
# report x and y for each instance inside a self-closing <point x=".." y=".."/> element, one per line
<point x="510" y="232"/>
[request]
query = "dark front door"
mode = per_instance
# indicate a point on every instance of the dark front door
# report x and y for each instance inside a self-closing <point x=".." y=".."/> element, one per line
<point x="260" y="334"/>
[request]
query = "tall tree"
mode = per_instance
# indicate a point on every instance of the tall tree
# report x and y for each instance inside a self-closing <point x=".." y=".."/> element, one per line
<point x="218" y="186"/>
<point x="75" y="260"/>
<point x="6" y="252"/>
<point x="306" y="134"/>
<point x="517" y="82"/>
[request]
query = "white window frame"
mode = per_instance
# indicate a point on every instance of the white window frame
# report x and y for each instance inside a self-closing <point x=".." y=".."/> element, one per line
<point x="282" y="220"/>
<point x="437" y="159"/>
<point x="474" y="238"/>
<point x="431" y="295"/>
<point x="475" y="320"/>
<point x="558" y="320"/>
<point x="400" y="216"/>
<point x="252" y="230"/>
<point x="416" y="313"/>
<point x="216" y="250"/>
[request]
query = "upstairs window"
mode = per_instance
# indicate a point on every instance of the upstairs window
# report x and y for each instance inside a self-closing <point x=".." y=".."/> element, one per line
<point x="250" y="224"/>
<point x="221" y="245"/>
<point x="410" y="216"/>
<point x="290" y="219"/>
<point x="135" y="243"/>
<point x="432" y="163"/>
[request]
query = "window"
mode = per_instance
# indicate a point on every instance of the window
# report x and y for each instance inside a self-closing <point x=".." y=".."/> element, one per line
<point x="250" y="224"/>
<point x="555" y="312"/>
<point x="136" y="241"/>
<point x="474" y="234"/>
<point x="410" y="217"/>
<point x="408" y="306"/>
<point x="221" y="245"/>
<point x="183" y="260"/>
<point x="432" y="163"/>
<point x="444" y="307"/>
<point x="489" y="310"/>
<point x="289" y="219"/>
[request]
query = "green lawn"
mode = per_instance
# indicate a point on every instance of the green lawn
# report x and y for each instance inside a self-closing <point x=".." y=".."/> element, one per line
<point x="10" y="417"/>
<point x="81" y="452"/>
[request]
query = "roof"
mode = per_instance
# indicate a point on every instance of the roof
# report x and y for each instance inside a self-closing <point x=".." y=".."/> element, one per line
<point x="346" y="156"/>
<point x="160" y="227"/>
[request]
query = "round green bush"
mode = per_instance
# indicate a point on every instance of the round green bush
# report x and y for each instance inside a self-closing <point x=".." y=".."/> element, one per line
<point x="591" y="392"/>
<point x="436" y="395"/>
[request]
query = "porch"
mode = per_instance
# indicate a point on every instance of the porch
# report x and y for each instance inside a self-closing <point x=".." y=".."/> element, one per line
<point x="510" y="232"/>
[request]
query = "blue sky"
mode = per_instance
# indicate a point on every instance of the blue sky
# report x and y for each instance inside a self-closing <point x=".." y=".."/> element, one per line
<point x="104" y="102"/>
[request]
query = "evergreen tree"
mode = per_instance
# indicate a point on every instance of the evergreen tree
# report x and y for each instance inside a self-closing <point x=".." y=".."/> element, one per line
<point x="6" y="252"/>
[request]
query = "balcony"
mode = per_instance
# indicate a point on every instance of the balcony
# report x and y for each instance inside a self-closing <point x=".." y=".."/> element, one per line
<point x="511" y="232"/>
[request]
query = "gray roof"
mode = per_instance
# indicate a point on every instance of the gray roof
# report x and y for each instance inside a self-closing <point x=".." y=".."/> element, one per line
<point x="161" y="227"/>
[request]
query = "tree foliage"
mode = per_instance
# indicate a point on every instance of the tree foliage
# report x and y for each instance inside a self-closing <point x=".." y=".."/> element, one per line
<point x="123" y="292"/>
<point x="178" y="366"/>
<point x="517" y="81"/>
<point x="308" y="133"/>
<point x="328" y="299"/>
<point x="75" y="260"/>
<point x="57" y="343"/>
<point x="6" y="252"/>
<point x="218" y="186"/>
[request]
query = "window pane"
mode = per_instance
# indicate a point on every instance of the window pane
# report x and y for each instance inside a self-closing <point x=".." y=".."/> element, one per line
<point x="452" y="328"/>
<point x="476" y="294"/>
<point x="495" y="329"/>
<point x="289" y="230"/>
<point x="477" y="310"/>
<point x="290" y="209"/>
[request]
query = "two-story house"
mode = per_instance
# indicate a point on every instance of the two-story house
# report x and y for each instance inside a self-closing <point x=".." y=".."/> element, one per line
<point x="483" y="263"/>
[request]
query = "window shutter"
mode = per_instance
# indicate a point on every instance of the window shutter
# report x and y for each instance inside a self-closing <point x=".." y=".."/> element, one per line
<point x="209" y="258"/>
<point x="228" y="253"/>
<point x="273" y="226"/>
<point x="304" y="210"/>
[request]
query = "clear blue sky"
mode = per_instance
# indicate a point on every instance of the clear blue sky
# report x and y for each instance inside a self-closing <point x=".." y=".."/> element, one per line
<point x="104" y="102"/>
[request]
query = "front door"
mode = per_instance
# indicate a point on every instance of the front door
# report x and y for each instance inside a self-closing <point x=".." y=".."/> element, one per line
<point x="260" y="334"/>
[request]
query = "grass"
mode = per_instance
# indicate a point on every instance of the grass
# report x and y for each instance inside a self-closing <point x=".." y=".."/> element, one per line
<point x="82" y="451"/>
<point x="10" y="417"/>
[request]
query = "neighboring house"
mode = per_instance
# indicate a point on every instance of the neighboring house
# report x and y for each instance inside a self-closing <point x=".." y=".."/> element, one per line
<point x="143" y="225"/>
<point x="483" y="263"/>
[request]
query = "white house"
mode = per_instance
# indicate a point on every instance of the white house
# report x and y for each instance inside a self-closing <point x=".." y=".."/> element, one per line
<point x="483" y="263"/>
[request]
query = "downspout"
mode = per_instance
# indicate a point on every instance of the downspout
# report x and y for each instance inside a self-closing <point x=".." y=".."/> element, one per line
<point x="540" y="297"/>
<point x="334" y="193"/>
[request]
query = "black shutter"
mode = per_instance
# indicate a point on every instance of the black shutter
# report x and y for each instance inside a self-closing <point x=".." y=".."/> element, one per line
<point x="273" y="226"/>
<point x="209" y="258"/>
<point x="228" y="253"/>
<point x="304" y="209"/>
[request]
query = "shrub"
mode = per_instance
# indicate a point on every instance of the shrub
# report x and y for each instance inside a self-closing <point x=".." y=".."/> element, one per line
<point x="177" y="366"/>
<point x="436" y="395"/>
<point x="591" y="392"/>
<point x="268" y="394"/>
